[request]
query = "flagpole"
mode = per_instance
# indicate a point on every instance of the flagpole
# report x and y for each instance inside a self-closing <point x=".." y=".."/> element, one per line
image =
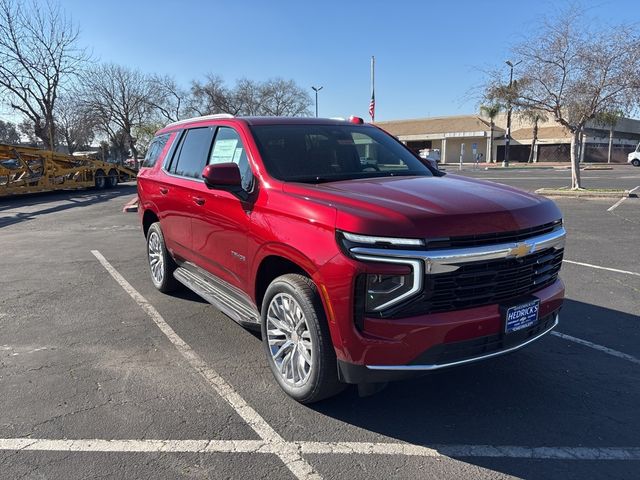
<point x="373" y="85"/>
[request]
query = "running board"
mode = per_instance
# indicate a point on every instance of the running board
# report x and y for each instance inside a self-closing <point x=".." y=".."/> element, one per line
<point x="218" y="293"/>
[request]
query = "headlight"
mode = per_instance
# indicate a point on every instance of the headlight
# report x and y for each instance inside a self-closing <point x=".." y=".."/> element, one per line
<point x="382" y="290"/>
<point x="381" y="241"/>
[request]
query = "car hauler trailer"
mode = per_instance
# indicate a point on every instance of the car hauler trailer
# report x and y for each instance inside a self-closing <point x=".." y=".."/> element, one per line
<point x="31" y="170"/>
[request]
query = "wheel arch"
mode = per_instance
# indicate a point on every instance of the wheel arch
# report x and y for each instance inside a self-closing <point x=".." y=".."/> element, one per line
<point x="271" y="267"/>
<point x="149" y="217"/>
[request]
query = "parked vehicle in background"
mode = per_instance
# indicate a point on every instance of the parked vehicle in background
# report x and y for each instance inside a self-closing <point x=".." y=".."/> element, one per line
<point x="358" y="261"/>
<point x="432" y="155"/>
<point x="634" y="157"/>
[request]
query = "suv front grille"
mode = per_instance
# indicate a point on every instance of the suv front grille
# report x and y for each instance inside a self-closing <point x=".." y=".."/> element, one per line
<point x="485" y="283"/>
<point x="492" y="238"/>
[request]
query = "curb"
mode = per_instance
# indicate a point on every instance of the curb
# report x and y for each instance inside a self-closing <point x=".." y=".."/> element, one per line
<point x="553" y="192"/>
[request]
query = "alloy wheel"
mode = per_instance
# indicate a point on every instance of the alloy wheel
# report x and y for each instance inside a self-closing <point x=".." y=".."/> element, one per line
<point x="289" y="339"/>
<point x="156" y="258"/>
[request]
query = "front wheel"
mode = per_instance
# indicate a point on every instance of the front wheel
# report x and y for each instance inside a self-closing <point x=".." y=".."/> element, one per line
<point x="635" y="162"/>
<point x="296" y="340"/>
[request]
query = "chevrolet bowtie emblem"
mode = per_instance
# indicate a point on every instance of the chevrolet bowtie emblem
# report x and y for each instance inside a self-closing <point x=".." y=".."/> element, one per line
<point x="520" y="250"/>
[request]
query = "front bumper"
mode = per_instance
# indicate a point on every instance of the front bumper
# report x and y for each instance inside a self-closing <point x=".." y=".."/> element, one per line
<point x="449" y="355"/>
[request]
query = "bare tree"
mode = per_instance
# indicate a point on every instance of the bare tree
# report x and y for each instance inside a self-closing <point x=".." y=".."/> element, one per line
<point x="249" y="95"/>
<point x="9" y="133"/>
<point x="285" y="98"/>
<point x="491" y="111"/>
<point x="169" y="100"/>
<point x="75" y="125"/>
<point x="27" y="132"/>
<point x="38" y="56"/>
<point x="574" y="74"/>
<point x="535" y="117"/>
<point x="275" y="97"/>
<point x="212" y="96"/>
<point x="119" y="99"/>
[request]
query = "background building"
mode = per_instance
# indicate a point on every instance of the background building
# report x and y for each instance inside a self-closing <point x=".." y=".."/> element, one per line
<point x="449" y="134"/>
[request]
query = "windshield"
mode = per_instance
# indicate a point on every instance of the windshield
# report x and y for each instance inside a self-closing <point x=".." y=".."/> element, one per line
<point x="326" y="153"/>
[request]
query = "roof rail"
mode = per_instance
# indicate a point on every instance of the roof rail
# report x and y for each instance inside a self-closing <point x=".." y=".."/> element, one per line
<point x="197" y="119"/>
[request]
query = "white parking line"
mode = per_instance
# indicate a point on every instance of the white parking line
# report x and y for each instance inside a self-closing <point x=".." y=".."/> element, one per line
<point x="287" y="452"/>
<point x="291" y="452"/>
<point x="315" y="448"/>
<point x="626" y="272"/>
<point x="617" y="204"/>
<point x="595" y="346"/>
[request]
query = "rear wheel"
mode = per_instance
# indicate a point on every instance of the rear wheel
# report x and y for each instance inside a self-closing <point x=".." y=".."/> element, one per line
<point x="635" y="162"/>
<point x="296" y="340"/>
<point x="161" y="265"/>
<point x="100" y="180"/>
<point x="112" y="179"/>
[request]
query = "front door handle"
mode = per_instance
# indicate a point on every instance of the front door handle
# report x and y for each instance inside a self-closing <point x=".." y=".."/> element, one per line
<point x="198" y="200"/>
<point x="164" y="190"/>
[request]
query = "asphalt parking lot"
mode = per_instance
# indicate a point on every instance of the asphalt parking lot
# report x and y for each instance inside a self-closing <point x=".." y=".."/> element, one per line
<point x="101" y="376"/>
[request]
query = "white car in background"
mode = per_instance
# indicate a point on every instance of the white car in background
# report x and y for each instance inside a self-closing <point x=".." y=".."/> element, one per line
<point x="432" y="155"/>
<point x="634" y="157"/>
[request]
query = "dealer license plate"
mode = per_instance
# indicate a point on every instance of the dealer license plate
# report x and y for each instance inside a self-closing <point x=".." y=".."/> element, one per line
<point x="522" y="316"/>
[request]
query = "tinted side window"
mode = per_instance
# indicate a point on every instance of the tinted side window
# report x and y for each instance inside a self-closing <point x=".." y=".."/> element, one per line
<point x="193" y="153"/>
<point x="155" y="149"/>
<point x="229" y="148"/>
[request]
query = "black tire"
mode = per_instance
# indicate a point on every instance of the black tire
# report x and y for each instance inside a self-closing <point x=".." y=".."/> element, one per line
<point x="100" y="180"/>
<point x="162" y="276"/>
<point x="112" y="179"/>
<point x="322" y="378"/>
<point x="635" y="162"/>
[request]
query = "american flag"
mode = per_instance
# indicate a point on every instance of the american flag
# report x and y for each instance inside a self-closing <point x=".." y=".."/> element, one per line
<point x="372" y="106"/>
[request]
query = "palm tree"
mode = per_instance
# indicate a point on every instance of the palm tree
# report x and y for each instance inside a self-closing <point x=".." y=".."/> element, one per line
<point x="535" y="117"/>
<point x="491" y="111"/>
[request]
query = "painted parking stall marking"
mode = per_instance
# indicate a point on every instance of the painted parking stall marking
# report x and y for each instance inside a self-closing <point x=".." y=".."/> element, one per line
<point x="290" y="452"/>
<point x="287" y="452"/>
<point x="595" y="346"/>
<point x="320" y="448"/>
<point x="598" y="267"/>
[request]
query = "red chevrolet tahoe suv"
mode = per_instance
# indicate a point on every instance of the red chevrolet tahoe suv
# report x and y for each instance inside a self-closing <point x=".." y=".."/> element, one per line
<point x="359" y="262"/>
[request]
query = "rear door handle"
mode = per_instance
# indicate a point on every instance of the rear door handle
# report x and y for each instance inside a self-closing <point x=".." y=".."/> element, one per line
<point x="198" y="200"/>
<point x="164" y="191"/>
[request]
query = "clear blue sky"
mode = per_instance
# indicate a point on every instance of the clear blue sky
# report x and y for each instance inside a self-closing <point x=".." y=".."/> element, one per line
<point x="428" y="53"/>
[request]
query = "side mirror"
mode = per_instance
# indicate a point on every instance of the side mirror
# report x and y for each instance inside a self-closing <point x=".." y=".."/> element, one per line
<point x="222" y="176"/>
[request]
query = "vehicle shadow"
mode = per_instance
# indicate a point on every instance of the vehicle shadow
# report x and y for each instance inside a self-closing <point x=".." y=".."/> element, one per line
<point x="552" y="393"/>
<point x="74" y="199"/>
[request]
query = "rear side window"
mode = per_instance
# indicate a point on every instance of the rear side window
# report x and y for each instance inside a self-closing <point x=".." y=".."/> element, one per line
<point x="228" y="147"/>
<point x="193" y="153"/>
<point x="155" y="149"/>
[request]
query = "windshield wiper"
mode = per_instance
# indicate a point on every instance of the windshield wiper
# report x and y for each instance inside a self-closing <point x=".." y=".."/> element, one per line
<point x="314" y="179"/>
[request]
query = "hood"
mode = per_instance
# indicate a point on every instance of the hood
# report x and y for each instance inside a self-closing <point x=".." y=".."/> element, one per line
<point x="428" y="206"/>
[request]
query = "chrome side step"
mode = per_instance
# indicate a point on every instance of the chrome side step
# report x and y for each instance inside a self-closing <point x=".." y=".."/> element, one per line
<point x="218" y="293"/>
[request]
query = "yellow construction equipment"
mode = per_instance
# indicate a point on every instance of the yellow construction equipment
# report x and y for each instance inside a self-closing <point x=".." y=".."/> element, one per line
<point x="30" y="170"/>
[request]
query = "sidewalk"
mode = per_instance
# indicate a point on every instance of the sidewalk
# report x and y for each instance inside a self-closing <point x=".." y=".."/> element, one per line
<point x="529" y="166"/>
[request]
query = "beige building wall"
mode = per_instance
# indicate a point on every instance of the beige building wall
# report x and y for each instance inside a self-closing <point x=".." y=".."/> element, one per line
<point x="454" y="146"/>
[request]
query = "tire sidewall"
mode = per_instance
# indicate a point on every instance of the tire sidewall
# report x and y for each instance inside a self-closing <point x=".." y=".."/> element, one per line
<point x="281" y="285"/>
<point x="166" y="283"/>
<point x="100" y="180"/>
<point x="112" y="179"/>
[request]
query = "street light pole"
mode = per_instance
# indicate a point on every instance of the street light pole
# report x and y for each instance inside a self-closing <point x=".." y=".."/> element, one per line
<point x="316" y="89"/>
<point x="507" y="138"/>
